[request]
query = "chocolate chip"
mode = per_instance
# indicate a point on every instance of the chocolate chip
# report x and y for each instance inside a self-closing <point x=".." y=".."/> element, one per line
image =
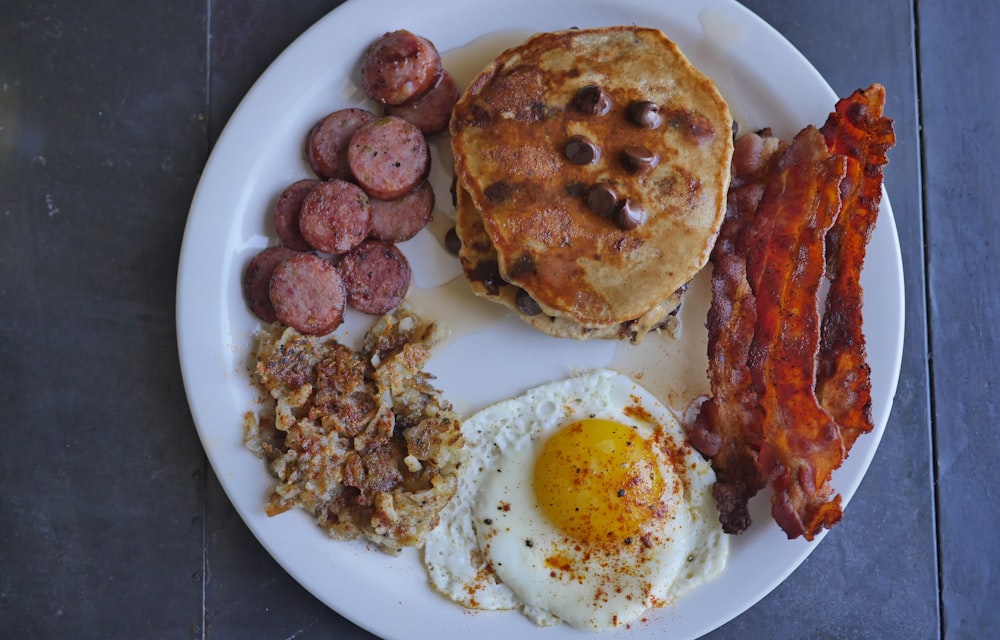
<point x="602" y="199"/>
<point x="579" y="150"/>
<point x="700" y="129"/>
<point x="696" y="127"/>
<point x="638" y="159"/>
<point x="575" y="189"/>
<point x="526" y="304"/>
<point x="488" y="273"/>
<point x="498" y="192"/>
<point x="628" y="216"/>
<point x="522" y="266"/>
<point x="452" y="242"/>
<point x="593" y="100"/>
<point x="644" y="114"/>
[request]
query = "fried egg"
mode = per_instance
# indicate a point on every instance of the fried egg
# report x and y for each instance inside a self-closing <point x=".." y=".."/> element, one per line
<point x="580" y="501"/>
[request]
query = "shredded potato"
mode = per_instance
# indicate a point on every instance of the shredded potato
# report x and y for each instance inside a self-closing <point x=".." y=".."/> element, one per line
<point x="359" y="439"/>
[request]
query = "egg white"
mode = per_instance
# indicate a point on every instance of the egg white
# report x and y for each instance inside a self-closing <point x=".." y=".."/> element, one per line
<point x="502" y="442"/>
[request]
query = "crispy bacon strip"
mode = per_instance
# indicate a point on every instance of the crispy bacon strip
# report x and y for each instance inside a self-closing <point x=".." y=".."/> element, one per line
<point x="727" y="428"/>
<point x="801" y="444"/>
<point x="857" y="130"/>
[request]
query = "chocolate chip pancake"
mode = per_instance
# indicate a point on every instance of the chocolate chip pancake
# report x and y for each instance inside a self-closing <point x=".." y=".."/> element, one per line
<point x="479" y="261"/>
<point x="594" y="165"/>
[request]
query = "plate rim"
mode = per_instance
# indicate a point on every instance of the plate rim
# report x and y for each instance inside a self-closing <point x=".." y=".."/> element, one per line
<point x="186" y="300"/>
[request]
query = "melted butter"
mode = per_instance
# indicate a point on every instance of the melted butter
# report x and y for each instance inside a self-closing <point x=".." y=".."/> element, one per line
<point x="464" y="63"/>
<point x="674" y="368"/>
<point x="455" y="307"/>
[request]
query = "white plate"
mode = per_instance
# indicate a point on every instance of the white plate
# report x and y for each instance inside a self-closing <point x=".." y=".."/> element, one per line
<point x="766" y="81"/>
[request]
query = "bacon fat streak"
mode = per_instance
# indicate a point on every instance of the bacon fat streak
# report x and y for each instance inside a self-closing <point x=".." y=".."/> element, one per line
<point x="728" y="425"/>
<point x="857" y="130"/>
<point x="791" y="392"/>
<point x="785" y="265"/>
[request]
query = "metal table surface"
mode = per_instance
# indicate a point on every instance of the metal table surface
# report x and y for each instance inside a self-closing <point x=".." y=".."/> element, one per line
<point x="112" y="525"/>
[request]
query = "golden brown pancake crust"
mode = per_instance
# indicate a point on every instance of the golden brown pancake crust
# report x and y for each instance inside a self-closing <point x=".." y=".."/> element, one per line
<point x="509" y="135"/>
<point x="479" y="261"/>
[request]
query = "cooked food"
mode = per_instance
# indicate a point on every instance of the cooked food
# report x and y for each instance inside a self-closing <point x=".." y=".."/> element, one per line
<point x="358" y="439"/>
<point x="308" y="294"/>
<point x="376" y="276"/>
<point x="430" y="112"/>
<point x="858" y="130"/>
<point x="580" y="501"/>
<point x="400" y="219"/>
<point x="389" y="157"/>
<point x="809" y="392"/>
<point x="727" y="428"/>
<point x="336" y="216"/>
<point x="592" y="169"/>
<point x="287" y="212"/>
<point x="375" y="189"/>
<point x="801" y="443"/>
<point x="329" y="140"/>
<point x="595" y="175"/>
<point x="398" y="67"/>
<point x="482" y="270"/>
<point x="257" y="281"/>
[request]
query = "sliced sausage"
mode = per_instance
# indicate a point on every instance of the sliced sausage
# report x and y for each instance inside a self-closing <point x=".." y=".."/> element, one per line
<point x="336" y="215"/>
<point x="400" y="219"/>
<point x="399" y="66"/>
<point x="308" y="294"/>
<point x="257" y="280"/>
<point x="389" y="157"/>
<point x="431" y="112"/>
<point x="328" y="140"/>
<point x="376" y="276"/>
<point x="286" y="214"/>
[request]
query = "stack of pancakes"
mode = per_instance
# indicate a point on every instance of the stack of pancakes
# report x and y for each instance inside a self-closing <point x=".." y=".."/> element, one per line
<point x="532" y="237"/>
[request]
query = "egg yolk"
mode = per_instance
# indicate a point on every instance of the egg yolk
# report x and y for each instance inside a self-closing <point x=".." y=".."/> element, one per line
<point x="598" y="481"/>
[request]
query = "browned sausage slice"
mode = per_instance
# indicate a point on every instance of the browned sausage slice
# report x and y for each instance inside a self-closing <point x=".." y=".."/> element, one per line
<point x="286" y="214"/>
<point x="431" y="112"/>
<point x="400" y="219"/>
<point x="308" y="294"/>
<point x="399" y="66"/>
<point x="389" y="157"/>
<point x="376" y="276"/>
<point x="328" y="140"/>
<point x="336" y="215"/>
<point x="257" y="280"/>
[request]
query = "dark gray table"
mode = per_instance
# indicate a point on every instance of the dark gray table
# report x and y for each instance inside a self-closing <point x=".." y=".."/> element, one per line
<point x="111" y="522"/>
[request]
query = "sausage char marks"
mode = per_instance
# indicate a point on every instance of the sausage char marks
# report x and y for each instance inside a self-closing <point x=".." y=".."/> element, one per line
<point x="360" y="440"/>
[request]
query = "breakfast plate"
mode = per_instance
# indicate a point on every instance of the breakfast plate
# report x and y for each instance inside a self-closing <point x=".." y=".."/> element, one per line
<point x="489" y="355"/>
